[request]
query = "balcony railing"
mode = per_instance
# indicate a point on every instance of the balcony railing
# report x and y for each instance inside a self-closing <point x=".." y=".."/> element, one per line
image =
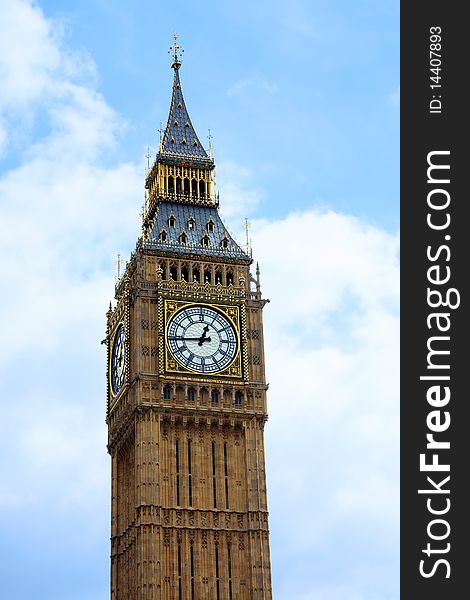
<point x="160" y="195"/>
<point x="173" y="246"/>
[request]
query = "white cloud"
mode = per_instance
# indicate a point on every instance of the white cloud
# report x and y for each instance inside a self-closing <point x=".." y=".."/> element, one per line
<point x="65" y="213"/>
<point x="331" y="330"/>
<point x="61" y="208"/>
<point x="239" y="195"/>
<point x="29" y="53"/>
<point x="36" y="69"/>
<point x="332" y="363"/>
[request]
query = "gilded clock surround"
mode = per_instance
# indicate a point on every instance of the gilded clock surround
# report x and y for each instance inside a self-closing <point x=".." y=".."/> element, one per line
<point x="189" y="516"/>
<point x="118" y="348"/>
<point x="231" y="312"/>
<point x="116" y="318"/>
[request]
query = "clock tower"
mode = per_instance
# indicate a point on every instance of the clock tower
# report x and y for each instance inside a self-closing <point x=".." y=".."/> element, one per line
<point x="186" y="397"/>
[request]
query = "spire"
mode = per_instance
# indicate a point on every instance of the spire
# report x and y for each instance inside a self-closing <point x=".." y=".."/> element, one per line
<point x="180" y="140"/>
<point x="176" y="51"/>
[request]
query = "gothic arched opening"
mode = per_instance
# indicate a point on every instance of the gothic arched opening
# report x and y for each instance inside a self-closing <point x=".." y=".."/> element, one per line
<point x="202" y="189"/>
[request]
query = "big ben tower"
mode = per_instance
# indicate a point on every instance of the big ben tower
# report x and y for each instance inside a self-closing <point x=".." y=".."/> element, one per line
<point x="187" y="393"/>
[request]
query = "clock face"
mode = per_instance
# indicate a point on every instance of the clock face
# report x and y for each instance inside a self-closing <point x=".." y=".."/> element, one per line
<point x="202" y="339"/>
<point x="118" y="360"/>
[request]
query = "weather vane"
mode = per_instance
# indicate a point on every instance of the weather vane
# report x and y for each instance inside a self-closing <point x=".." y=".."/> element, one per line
<point x="176" y="50"/>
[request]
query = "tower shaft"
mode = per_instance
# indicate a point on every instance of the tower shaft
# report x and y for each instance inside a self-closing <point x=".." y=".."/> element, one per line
<point x="187" y="395"/>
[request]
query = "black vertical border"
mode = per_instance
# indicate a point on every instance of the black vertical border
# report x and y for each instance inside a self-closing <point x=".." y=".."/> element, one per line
<point x="423" y="132"/>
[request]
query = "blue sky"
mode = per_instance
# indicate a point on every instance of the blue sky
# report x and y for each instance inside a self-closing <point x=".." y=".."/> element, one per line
<point x="302" y="99"/>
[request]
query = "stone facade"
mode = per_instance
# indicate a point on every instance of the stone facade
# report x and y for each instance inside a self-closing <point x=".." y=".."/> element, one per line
<point x="189" y="516"/>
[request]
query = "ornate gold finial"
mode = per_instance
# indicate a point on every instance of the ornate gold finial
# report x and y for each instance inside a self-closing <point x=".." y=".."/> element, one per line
<point x="143" y="213"/>
<point x="211" y="148"/>
<point x="119" y="262"/>
<point x="147" y="156"/>
<point x="176" y="51"/>
<point x="248" y="240"/>
<point x="161" y="132"/>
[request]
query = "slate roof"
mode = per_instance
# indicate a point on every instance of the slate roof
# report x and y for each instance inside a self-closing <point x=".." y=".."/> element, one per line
<point x="201" y="216"/>
<point x="180" y="140"/>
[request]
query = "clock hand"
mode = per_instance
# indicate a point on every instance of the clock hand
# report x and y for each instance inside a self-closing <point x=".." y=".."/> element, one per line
<point x="191" y="339"/>
<point x="203" y="336"/>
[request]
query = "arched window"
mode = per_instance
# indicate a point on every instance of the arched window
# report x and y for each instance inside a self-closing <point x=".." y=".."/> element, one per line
<point x="167" y="392"/>
<point x="184" y="273"/>
<point x="207" y="275"/>
<point x="196" y="276"/>
<point x="229" y="277"/>
<point x="210" y="225"/>
<point x="224" y="242"/>
<point x="194" y="188"/>
<point x="202" y="189"/>
<point x="173" y="272"/>
<point x="178" y="185"/>
<point x="215" y="396"/>
<point x="186" y="187"/>
<point x="171" y="185"/>
<point x="191" y="394"/>
<point x="183" y="238"/>
<point x="163" y="236"/>
<point x="205" y="240"/>
<point x="238" y="398"/>
<point x="191" y="223"/>
<point x="171" y="221"/>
